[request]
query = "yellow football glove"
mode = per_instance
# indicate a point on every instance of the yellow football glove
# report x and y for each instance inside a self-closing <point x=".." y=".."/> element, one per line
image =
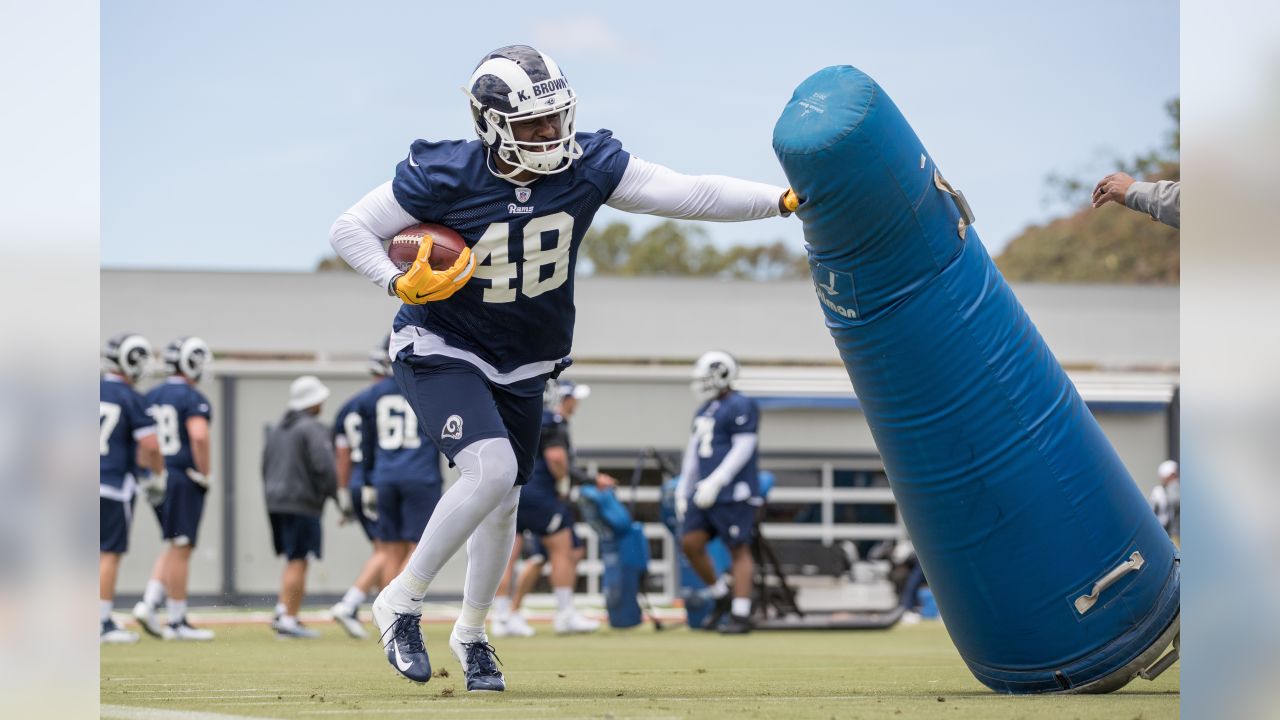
<point x="421" y="284"/>
<point x="788" y="203"/>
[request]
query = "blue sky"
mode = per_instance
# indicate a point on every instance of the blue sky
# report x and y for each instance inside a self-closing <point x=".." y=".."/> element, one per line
<point x="233" y="133"/>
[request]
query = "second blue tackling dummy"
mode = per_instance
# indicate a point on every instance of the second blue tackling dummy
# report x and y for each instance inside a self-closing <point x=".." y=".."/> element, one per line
<point x="1049" y="569"/>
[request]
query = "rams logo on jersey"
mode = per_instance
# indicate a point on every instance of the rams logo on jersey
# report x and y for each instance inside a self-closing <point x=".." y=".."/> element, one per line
<point x="452" y="428"/>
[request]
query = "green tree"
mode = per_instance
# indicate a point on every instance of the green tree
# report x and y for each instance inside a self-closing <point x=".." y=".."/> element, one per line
<point x="1110" y="244"/>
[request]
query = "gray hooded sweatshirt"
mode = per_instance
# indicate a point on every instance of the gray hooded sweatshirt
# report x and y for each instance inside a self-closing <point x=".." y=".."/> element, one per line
<point x="298" y="469"/>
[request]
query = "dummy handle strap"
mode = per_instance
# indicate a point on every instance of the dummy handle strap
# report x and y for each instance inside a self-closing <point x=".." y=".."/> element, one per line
<point x="1133" y="564"/>
<point x="957" y="197"/>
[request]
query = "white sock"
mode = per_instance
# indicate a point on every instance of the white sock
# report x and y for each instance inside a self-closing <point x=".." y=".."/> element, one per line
<point x="501" y="607"/>
<point x="354" y="597"/>
<point x="104" y="609"/>
<point x="281" y="609"/>
<point x="564" y="598"/>
<point x="720" y="588"/>
<point x="487" y="477"/>
<point x="177" y="610"/>
<point x="472" y="617"/>
<point x="469" y="633"/>
<point x="405" y="592"/>
<point x="153" y="595"/>
<point x="740" y="607"/>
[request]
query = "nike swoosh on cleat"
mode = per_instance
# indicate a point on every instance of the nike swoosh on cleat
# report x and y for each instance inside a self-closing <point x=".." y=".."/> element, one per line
<point x="400" y="663"/>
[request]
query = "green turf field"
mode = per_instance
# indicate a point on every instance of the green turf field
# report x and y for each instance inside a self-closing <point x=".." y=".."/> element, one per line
<point x="906" y="672"/>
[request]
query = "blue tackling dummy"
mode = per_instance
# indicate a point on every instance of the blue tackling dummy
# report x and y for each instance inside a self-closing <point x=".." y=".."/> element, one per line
<point x="1051" y="572"/>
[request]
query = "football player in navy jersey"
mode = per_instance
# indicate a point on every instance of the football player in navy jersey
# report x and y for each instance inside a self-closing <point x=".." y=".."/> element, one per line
<point x="181" y="413"/>
<point x="405" y="473"/>
<point x="127" y="438"/>
<point x="545" y="514"/>
<point x="719" y="488"/>
<point x="354" y="451"/>
<point x="474" y="343"/>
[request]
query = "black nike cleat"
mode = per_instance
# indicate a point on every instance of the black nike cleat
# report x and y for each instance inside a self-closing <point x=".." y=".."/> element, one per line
<point x="402" y="641"/>
<point x="736" y="625"/>
<point x="718" y="611"/>
<point x="477" y="659"/>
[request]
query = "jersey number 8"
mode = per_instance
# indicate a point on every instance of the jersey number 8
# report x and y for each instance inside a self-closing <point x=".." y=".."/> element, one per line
<point x="502" y="273"/>
<point x="166" y="417"/>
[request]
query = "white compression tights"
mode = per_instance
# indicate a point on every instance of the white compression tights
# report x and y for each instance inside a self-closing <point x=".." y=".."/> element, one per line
<point x="479" y="509"/>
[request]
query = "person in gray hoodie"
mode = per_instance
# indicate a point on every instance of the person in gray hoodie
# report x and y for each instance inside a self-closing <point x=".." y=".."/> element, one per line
<point x="298" y="475"/>
<point x="1162" y="200"/>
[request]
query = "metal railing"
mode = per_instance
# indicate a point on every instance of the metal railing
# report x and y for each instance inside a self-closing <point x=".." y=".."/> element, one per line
<point x="665" y="568"/>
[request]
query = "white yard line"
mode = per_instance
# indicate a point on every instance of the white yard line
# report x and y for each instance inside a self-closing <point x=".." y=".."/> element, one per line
<point x="124" y="712"/>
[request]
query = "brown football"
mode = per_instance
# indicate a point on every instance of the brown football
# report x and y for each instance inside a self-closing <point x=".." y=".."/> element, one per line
<point x="445" y="246"/>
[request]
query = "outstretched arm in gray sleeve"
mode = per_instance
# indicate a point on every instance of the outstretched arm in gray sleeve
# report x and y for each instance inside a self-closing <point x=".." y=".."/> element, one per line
<point x="1157" y="199"/>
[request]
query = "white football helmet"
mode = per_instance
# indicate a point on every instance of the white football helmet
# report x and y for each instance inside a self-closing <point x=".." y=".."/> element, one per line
<point x="126" y="354"/>
<point x="187" y="356"/>
<point x="551" y="396"/>
<point x="379" y="360"/>
<point x="517" y="83"/>
<point x="714" y="373"/>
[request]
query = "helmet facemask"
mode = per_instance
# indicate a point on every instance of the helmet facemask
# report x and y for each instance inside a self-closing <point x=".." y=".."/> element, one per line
<point x="713" y="374"/>
<point x="127" y="355"/>
<point x="187" y="356"/>
<point x="518" y="84"/>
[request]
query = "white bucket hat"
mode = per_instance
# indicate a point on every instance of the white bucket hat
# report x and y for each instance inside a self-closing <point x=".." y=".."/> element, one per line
<point x="307" y="391"/>
<point x="1167" y="469"/>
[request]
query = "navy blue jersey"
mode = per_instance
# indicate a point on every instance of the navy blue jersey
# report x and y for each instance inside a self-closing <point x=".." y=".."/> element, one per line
<point x="401" y="453"/>
<point x="555" y="433"/>
<point x="348" y="431"/>
<point x="714" y="426"/>
<point x="171" y="404"/>
<point x="518" y="307"/>
<point x="123" y="421"/>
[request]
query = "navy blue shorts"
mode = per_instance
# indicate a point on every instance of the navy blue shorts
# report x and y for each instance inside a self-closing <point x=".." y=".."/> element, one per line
<point x="116" y="517"/>
<point x="733" y="523"/>
<point x="457" y="405"/>
<point x="534" y="547"/>
<point x="357" y="506"/>
<point x="404" y="507"/>
<point x="542" y="514"/>
<point x="182" y="509"/>
<point x="295" y="536"/>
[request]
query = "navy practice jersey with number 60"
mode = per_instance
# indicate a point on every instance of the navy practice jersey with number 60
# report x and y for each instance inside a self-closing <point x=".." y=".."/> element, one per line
<point x="518" y="307"/>
<point x="401" y="452"/>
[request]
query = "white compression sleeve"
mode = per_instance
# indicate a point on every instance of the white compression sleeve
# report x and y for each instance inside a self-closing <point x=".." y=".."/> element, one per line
<point x="688" y="468"/>
<point x="487" y="476"/>
<point x="358" y="233"/>
<point x="487" y="553"/>
<point x="654" y="189"/>
<point x="744" y="444"/>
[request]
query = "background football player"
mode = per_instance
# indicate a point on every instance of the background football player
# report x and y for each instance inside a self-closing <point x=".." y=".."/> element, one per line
<point x="181" y="414"/>
<point x="472" y="357"/>
<point x="545" y="514"/>
<point x="127" y="437"/>
<point x="719" y="489"/>
<point x="405" y="473"/>
<point x="354" y="452"/>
